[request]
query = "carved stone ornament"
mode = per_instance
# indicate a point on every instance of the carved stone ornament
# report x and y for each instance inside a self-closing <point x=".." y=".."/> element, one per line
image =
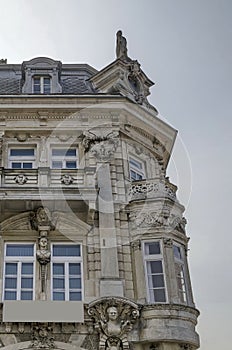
<point x="186" y="347"/>
<point x="101" y="147"/>
<point x="113" y="319"/>
<point x="66" y="179"/>
<point x="136" y="245"/>
<point x="150" y="189"/>
<point x="42" y="217"/>
<point x="161" y="218"/>
<point x="21" y="179"/>
<point x="43" y="256"/>
<point x="168" y="242"/>
<point x="42" y="337"/>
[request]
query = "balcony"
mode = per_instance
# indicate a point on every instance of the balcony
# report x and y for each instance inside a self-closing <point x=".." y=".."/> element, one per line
<point x="151" y="189"/>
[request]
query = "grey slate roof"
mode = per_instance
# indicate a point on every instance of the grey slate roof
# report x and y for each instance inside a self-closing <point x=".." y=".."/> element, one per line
<point x="73" y="79"/>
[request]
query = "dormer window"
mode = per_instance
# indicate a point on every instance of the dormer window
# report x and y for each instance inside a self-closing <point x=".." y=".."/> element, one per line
<point x="41" y="85"/>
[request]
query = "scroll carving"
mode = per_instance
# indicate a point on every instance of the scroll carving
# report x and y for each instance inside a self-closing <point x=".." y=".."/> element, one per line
<point x="42" y="337"/>
<point x="102" y="147"/>
<point x="114" y="318"/>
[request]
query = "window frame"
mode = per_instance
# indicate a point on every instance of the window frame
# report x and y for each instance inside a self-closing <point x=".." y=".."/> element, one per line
<point x="63" y="158"/>
<point x="66" y="260"/>
<point x="139" y="171"/>
<point x="149" y="258"/>
<point x="21" y="159"/>
<point x="41" y="84"/>
<point x="182" y="292"/>
<point x="19" y="260"/>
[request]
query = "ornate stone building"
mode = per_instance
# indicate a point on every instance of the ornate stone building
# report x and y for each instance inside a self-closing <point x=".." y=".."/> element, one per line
<point x="93" y="242"/>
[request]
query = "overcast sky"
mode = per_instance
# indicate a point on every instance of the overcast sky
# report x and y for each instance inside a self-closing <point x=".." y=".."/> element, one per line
<point x="185" y="47"/>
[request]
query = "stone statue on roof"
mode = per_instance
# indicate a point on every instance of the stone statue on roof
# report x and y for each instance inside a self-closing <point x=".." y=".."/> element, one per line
<point x="121" y="46"/>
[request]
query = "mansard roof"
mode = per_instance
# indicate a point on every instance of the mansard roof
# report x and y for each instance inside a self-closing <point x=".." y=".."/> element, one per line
<point x="73" y="78"/>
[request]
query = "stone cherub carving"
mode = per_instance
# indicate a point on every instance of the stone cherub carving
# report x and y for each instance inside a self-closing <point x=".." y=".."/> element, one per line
<point x="114" y="319"/>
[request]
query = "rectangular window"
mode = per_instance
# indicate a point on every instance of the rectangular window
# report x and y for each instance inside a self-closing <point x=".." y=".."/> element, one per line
<point x="22" y="158"/>
<point x="64" y="158"/>
<point x="155" y="278"/>
<point x="66" y="272"/>
<point x="180" y="276"/>
<point x="41" y="85"/>
<point x="19" y="268"/>
<point x="136" y="169"/>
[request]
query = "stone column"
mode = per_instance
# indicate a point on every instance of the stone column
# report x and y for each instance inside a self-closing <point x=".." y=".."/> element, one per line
<point x="139" y="271"/>
<point x="103" y="145"/>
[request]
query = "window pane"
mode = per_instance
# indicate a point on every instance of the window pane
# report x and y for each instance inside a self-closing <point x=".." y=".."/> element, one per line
<point x="58" y="296"/>
<point x="74" y="283"/>
<point x="27" y="283"/>
<point x="74" y="269"/>
<point x="155" y="267"/>
<point x="152" y="248"/>
<point x="177" y="252"/>
<point x="11" y="269"/>
<point x="47" y="89"/>
<point x="10" y="295"/>
<point x="22" y="152"/>
<point x="135" y="163"/>
<point x="27" y="268"/>
<point x="56" y="165"/>
<point x="27" y="165"/>
<point x="75" y="296"/>
<point x="16" y="165"/>
<point x="66" y="250"/>
<point x="11" y="283"/>
<point x="36" y="89"/>
<point x="20" y="250"/>
<point x="58" y="269"/>
<point x="58" y="283"/>
<point x="71" y="165"/>
<point x="157" y="281"/>
<point x="159" y="295"/>
<point x="62" y="152"/>
<point x="46" y="81"/>
<point x="26" y="295"/>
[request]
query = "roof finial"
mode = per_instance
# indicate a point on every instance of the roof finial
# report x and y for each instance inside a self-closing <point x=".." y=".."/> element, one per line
<point x="121" y="47"/>
<point x="3" y="61"/>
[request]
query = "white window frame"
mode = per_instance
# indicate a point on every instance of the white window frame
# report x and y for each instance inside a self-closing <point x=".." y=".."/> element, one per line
<point x="138" y="170"/>
<point x="66" y="260"/>
<point x="21" y="159"/>
<point x="64" y="159"/>
<point x="19" y="260"/>
<point x="180" y="279"/>
<point x="154" y="257"/>
<point x="41" y="84"/>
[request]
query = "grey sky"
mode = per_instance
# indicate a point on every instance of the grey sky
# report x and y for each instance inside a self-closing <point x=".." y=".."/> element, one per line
<point x="185" y="47"/>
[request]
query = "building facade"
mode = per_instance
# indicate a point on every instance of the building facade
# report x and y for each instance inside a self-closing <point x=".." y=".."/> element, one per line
<point x="92" y="237"/>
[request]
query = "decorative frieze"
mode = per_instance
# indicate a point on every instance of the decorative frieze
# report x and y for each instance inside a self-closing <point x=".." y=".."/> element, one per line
<point x="157" y="218"/>
<point x="151" y="189"/>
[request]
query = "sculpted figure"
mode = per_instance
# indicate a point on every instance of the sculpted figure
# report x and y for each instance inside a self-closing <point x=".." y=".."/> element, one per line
<point x="43" y="255"/>
<point x="121" y="46"/>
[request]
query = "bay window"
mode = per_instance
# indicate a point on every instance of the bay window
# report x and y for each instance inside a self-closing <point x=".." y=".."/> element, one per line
<point x="155" y="278"/>
<point x="180" y="273"/>
<point x="136" y="169"/>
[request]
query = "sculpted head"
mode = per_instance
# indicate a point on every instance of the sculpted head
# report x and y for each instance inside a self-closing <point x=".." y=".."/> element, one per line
<point x="112" y="313"/>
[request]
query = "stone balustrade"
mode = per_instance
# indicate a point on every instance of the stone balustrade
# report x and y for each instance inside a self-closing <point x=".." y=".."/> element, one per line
<point x="46" y="177"/>
<point x="152" y="188"/>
